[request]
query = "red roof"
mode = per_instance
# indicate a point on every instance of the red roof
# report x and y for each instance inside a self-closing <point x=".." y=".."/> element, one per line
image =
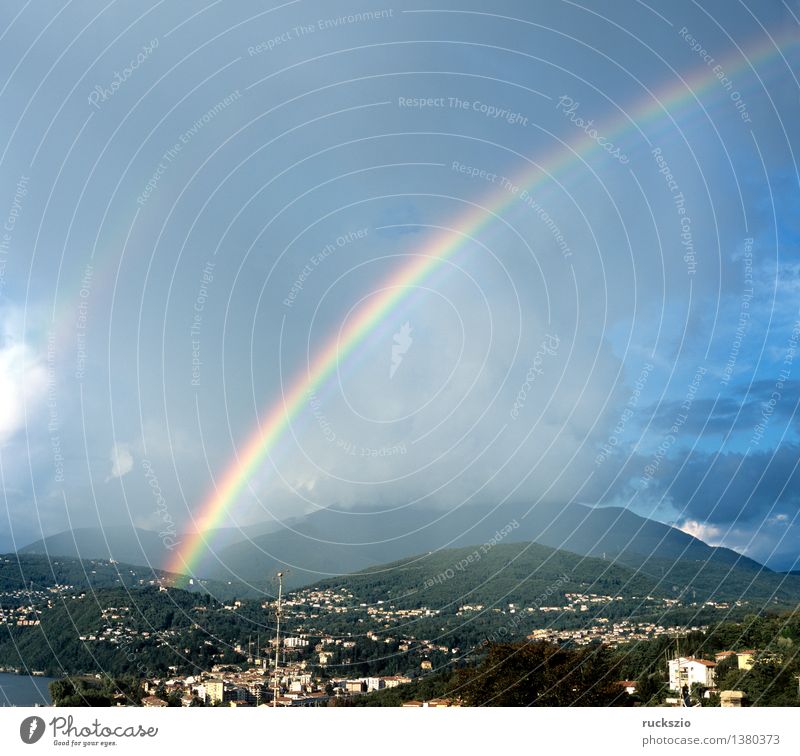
<point x="702" y="661"/>
<point x="153" y="701"/>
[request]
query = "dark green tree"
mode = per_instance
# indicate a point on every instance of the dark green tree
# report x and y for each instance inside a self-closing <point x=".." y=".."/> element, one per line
<point x="542" y="674"/>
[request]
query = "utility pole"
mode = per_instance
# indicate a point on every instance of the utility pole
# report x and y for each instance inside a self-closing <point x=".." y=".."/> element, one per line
<point x="275" y="682"/>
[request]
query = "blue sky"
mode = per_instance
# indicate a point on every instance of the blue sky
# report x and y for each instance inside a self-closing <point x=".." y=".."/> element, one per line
<point x="153" y="158"/>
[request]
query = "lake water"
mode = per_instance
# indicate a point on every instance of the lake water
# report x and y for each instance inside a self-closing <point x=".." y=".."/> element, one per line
<point x="21" y="690"/>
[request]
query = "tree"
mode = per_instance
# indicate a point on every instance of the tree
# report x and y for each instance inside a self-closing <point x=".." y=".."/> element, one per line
<point x="542" y="674"/>
<point x="697" y="694"/>
<point x="650" y="688"/>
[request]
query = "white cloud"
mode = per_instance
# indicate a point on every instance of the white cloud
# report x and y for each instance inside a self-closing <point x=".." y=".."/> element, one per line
<point x="710" y="534"/>
<point x="23" y="380"/>
<point x="121" y="461"/>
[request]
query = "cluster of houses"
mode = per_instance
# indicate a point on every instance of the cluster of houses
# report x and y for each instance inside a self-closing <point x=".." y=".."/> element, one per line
<point x="309" y="604"/>
<point x="294" y="684"/>
<point x="116" y="629"/>
<point x="687" y="671"/>
<point x="605" y="631"/>
<point x="23" y="606"/>
<point x="297" y="686"/>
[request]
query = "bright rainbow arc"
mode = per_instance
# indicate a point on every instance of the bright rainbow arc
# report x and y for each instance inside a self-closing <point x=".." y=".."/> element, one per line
<point x="280" y="415"/>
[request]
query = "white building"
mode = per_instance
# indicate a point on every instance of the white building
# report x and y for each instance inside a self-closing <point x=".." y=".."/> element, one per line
<point x="688" y="671"/>
<point x="394" y="680"/>
<point x="295" y="642"/>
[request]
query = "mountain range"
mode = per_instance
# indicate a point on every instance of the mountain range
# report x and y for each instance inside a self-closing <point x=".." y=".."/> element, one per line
<point x="332" y="542"/>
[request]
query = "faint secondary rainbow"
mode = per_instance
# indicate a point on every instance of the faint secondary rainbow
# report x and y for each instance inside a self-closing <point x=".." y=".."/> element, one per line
<point x="668" y="105"/>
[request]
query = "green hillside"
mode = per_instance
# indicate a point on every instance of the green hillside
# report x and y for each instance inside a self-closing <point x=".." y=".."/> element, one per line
<point x="24" y="572"/>
<point x="529" y="573"/>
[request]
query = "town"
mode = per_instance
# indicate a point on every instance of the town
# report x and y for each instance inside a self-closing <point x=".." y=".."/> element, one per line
<point x="336" y="647"/>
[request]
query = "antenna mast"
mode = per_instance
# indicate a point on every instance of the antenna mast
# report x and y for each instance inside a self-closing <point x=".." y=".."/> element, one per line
<point x="275" y="682"/>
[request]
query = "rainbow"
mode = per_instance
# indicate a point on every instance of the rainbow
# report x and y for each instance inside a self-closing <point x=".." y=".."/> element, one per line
<point x="679" y="98"/>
